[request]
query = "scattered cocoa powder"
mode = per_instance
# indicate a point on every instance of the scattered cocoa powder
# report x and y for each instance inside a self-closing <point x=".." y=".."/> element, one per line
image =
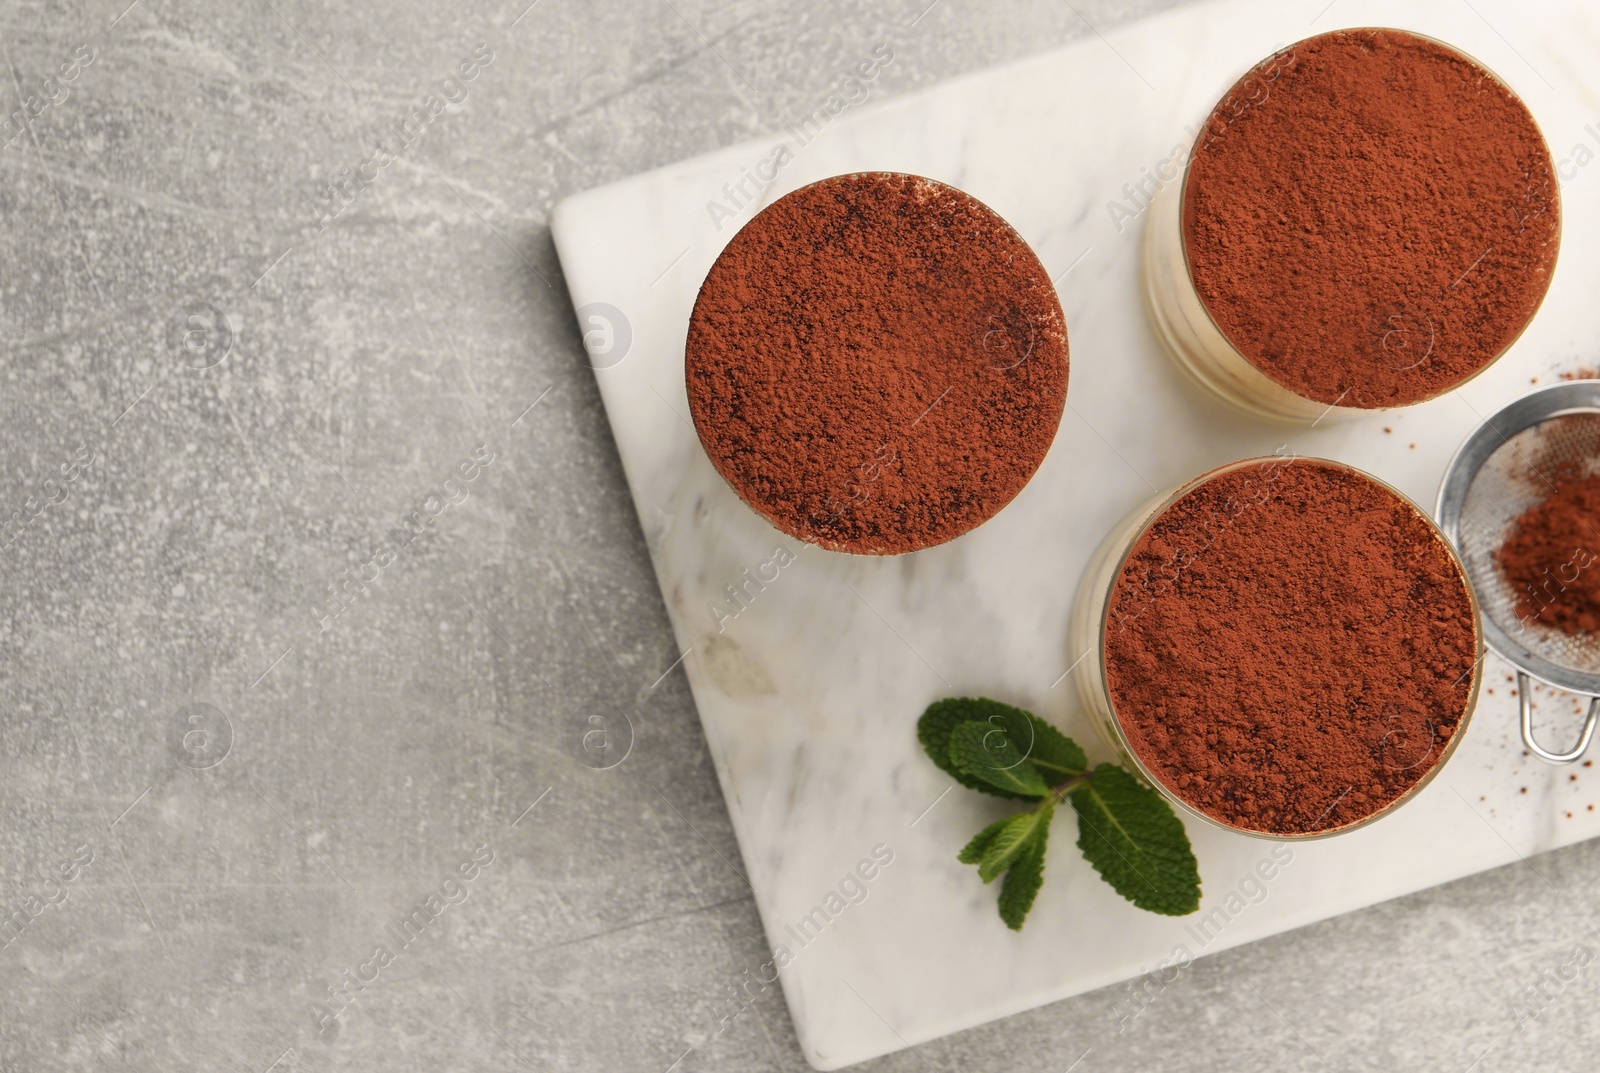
<point x="1370" y="217"/>
<point x="1290" y="647"/>
<point x="1549" y="561"/>
<point x="877" y="363"/>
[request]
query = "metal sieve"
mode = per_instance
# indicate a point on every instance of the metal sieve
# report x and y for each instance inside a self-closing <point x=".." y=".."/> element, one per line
<point x="1509" y="464"/>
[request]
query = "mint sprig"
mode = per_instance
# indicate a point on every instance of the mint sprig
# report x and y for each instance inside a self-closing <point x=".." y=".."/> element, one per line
<point x="1126" y="830"/>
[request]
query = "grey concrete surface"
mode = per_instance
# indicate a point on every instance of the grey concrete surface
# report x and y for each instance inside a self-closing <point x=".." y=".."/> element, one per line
<point x="220" y="791"/>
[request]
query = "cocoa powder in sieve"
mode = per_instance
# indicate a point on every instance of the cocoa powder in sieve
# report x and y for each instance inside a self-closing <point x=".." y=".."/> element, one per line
<point x="1550" y="561"/>
<point x="877" y="363"/>
<point x="1370" y="217"/>
<point x="1290" y="647"/>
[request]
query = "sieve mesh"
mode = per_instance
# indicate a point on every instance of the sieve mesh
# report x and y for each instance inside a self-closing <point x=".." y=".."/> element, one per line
<point x="1518" y="475"/>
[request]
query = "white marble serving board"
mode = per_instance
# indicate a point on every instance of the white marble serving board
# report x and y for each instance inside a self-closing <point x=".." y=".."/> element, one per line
<point x="809" y="697"/>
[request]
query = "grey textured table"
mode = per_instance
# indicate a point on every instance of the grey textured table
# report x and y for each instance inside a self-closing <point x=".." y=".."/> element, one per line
<point x="319" y="567"/>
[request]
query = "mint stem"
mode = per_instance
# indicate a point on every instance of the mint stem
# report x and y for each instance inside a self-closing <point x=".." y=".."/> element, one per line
<point x="1058" y="794"/>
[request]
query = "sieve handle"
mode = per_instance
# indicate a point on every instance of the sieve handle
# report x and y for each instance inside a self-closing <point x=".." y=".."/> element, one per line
<point x="1525" y="699"/>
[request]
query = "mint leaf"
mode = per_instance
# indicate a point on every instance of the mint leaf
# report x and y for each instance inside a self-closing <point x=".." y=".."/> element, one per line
<point x="941" y="719"/>
<point x="1053" y="753"/>
<point x="1136" y="843"/>
<point x="1011" y="840"/>
<point x="1023" y="880"/>
<point x="973" y="851"/>
<point x="987" y="753"/>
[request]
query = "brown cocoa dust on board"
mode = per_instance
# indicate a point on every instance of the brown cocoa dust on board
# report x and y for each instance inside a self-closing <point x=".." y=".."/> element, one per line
<point x="877" y="363"/>
<point x="1370" y="217"/>
<point x="1290" y="647"/>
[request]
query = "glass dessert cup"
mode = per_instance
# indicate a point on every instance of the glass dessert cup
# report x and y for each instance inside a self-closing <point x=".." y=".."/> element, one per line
<point x="877" y="363"/>
<point x="1199" y="346"/>
<point x="1089" y="622"/>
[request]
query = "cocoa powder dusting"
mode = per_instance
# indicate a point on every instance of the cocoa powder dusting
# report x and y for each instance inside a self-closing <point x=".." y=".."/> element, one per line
<point x="877" y="363"/>
<point x="1370" y="217"/>
<point x="1290" y="647"/>
<point x="1550" y="562"/>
